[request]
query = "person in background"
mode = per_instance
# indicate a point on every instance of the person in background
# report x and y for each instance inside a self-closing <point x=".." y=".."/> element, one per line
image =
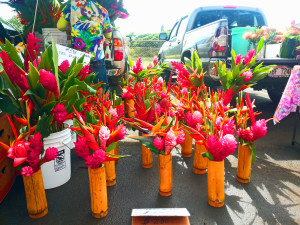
<point x="89" y="23"/>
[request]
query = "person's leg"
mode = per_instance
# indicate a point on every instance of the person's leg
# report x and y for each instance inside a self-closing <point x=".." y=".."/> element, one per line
<point x="99" y="67"/>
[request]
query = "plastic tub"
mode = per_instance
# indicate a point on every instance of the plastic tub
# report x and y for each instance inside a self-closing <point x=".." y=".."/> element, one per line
<point x="239" y="44"/>
<point x="55" y="34"/>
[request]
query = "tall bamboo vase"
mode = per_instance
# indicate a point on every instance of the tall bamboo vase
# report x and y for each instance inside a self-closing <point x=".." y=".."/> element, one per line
<point x="244" y="164"/>
<point x="129" y="107"/>
<point x="147" y="158"/>
<point x="110" y="171"/>
<point x="117" y="151"/>
<point x="200" y="162"/>
<point x="98" y="192"/>
<point x="35" y="195"/>
<point x="215" y="183"/>
<point x="165" y="174"/>
<point x="187" y="146"/>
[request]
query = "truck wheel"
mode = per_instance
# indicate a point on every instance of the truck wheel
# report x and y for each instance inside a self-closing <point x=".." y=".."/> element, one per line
<point x="275" y="94"/>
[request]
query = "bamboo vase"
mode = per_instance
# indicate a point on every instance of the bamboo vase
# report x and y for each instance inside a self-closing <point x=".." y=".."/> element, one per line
<point x="215" y="183"/>
<point x="129" y="107"/>
<point x="165" y="174"/>
<point x="35" y="195"/>
<point x="98" y="192"/>
<point x="200" y="162"/>
<point x="147" y="158"/>
<point x="117" y="151"/>
<point x="244" y="164"/>
<point x="187" y="146"/>
<point x="110" y="171"/>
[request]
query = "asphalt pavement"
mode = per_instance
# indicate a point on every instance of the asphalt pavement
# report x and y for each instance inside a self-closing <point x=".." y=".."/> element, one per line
<point x="272" y="196"/>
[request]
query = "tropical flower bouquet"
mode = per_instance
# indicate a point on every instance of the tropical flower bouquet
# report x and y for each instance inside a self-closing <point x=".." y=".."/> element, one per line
<point x="291" y="40"/>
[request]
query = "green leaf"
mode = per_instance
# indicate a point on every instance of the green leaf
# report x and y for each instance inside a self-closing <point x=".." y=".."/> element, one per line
<point x="42" y="126"/>
<point x="148" y="142"/>
<point x="208" y="155"/>
<point x="33" y="77"/>
<point x="55" y="61"/>
<point x="111" y="146"/>
<point x="260" y="45"/>
<point x="13" y="54"/>
<point x="89" y="118"/>
<point x="46" y="62"/>
<point x="46" y="109"/>
<point x="7" y="105"/>
<point x="71" y="91"/>
<point x="147" y="104"/>
<point x="252" y="147"/>
<point x="130" y="62"/>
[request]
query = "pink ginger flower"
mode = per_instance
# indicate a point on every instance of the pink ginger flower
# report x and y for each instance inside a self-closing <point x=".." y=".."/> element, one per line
<point x="35" y="149"/>
<point x="51" y="154"/>
<point x="127" y="93"/>
<point x="172" y="113"/>
<point x="180" y="137"/>
<point x="259" y="129"/>
<point x="229" y="127"/>
<point x="81" y="147"/>
<point x="138" y="66"/>
<point x="245" y="134"/>
<point x="152" y="117"/>
<point x="121" y="134"/>
<point x="149" y="66"/>
<point x="249" y="56"/>
<point x="218" y="122"/>
<point x="213" y="144"/>
<point x="248" y="75"/>
<point x="18" y="152"/>
<point x="59" y="113"/>
<point x="184" y="91"/>
<point x="48" y="81"/>
<point x="104" y="134"/>
<point x="159" y="143"/>
<point x="120" y="110"/>
<point x="170" y="141"/>
<point x="84" y="72"/>
<point x="155" y="61"/>
<point x="165" y="103"/>
<point x="182" y="74"/>
<point x="180" y="114"/>
<point x="64" y="66"/>
<point x="238" y="59"/>
<point x="197" y="118"/>
<point x="229" y="146"/>
<point x="26" y="171"/>
<point x="32" y="50"/>
<point x="113" y="113"/>
<point x="189" y="119"/>
<point x="94" y="161"/>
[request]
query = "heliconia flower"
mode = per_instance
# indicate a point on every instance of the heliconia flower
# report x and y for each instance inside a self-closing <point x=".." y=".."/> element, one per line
<point x="152" y="117"/>
<point x="32" y="50"/>
<point x="238" y="59"/>
<point x="104" y="133"/>
<point x="48" y="80"/>
<point x="245" y="134"/>
<point x="180" y="137"/>
<point x="259" y="129"/>
<point x="18" y="152"/>
<point x="218" y="122"/>
<point x="227" y="97"/>
<point x="113" y="113"/>
<point x="155" y="61"/>
<point x="229" y="127"/>
<point x="159" y="143"/>
<point x="26" y="171"/>
<point x="121" y="134"/>
<point x="51" y="154"/>
<point x="248" y="75"/>
<point x="84" y="72"/>
<point x="184" y="91"/>
<point x="138" y="66"/>
<point x="64" y="66"/>
<point x="94" y="161"/>
<point x="59" y="113"/>
<point x="81" y="147"/>
<point x="249" y="56"/>
<point x="170" y="141"/>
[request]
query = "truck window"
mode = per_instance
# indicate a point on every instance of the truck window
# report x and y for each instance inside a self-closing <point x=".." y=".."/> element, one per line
<point x="182" y="28"/>
<point x="236" y="18"/>
<point x="173" y="33"/>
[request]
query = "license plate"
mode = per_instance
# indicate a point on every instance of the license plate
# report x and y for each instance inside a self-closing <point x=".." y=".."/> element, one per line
<point x="280" y="71"/>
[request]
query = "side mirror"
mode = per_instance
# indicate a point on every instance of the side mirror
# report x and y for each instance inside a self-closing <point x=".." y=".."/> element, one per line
<point x="163" y="36"/>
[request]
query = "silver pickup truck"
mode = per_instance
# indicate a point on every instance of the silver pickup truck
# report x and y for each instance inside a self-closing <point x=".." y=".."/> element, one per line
<point x="208" y="31"/>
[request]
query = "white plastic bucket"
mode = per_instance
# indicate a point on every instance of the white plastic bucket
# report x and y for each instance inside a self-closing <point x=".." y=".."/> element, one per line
<point x="57" y="172"/>
<point x="69" y="123"/>
<point x="55" y="34"/>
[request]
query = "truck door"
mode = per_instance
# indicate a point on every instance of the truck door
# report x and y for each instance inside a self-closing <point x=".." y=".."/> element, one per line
<point x="169" y="50"/>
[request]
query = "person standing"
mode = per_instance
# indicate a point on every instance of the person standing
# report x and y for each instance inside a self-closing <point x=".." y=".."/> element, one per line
<point x="89" y="23"/>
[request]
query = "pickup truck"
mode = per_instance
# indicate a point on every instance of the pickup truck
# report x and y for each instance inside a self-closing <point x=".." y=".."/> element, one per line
<point x="208" y="31"/>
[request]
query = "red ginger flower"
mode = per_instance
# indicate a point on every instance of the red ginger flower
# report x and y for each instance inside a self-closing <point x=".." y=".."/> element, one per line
<point x="155" y="61"/>
<point x="26" y="171"/>
<point x="127" y="93"/>
<point x="59" y="113"/>
<point x="152" y="117"/>
<point x="229" y="127"/>
<point x="48" y="80"/>
<point x="32" y="49"/>
<point x="249" y="56"/>
<point x="223" y="148"/>
<point x="84" y="72"/>
<point x="182" y="74"/>
<point x="248" y="75"/>
<point x="159" y="143"/>
<point x="35" y="149"/>
<point x="94" y="161"/>
<point x="227" y="96"/>
<point x="138" y="66"/>
<point x="81" y="147"/>
<point x="51" y="154"/>
<point x="238" y="59"/>
<point x="246" y="134"/>
<point x="18" y="152"/>
<point x="180" y="137"/>
<point x="64" y="66"/>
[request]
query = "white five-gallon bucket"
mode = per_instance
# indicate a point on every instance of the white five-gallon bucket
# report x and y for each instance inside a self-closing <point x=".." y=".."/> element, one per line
<point x="57" y="172"/>
<point x="73" y="134"/>
<point x="56" y="35"/>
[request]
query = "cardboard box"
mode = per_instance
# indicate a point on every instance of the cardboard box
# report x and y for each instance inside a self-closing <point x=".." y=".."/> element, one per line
<point x="166" y="216"/>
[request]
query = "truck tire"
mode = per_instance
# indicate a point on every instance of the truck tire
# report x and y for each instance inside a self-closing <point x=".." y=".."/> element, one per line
<point x="275" y="94"/>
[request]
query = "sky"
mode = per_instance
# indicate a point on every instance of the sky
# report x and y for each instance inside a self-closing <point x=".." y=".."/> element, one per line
<point x="149" y="16"/>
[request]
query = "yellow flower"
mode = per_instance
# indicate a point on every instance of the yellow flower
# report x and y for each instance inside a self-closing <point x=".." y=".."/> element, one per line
<point x="75" y="33"/>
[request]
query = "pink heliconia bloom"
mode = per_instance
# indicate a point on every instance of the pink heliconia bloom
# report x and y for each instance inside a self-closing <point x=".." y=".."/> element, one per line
<point x="218" y="122"/>
<point x="84" y="72"/>
<point x="81" y="147"/>
<point x="138" y="66"/>
<point x="121" y="134"/>
<point x="18" y="152"/>
<point x="152" y="117"/>
<point x="197" y="118"/>
<point x="245" y="134"/>
<point x="238" y="59"/>
<point x="184" y="91"/>
<point x="26" y="171"/>
<point x="149" y="66"/>
<point x="227" y="97"/>
<point x="259" y="129"/>
<point x="64" y="66"/>
<point x="159" y="143"/>
<point x="249" y="56"/>
<point x="48" y="81"/>
<point x="180" y="137"/>
<point x="113" y="113"/>
<point x="59" y="113"/>
<point x="94" y="161"/>
<point x="104" y="134"/>
<point x="155" y="61"/>
<point x="229" y="127"/>
<point x="248" y="75"/>
<point x="51" y="154"/>
<point x="170" y="141"/>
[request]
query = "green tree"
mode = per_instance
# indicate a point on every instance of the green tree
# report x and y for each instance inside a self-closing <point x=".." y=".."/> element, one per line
<point x="16" y="23"/>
